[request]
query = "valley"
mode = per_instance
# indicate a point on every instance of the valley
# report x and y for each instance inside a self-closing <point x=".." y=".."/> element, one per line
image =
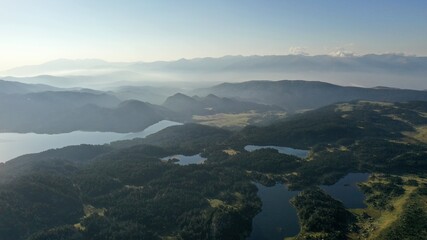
<point x="217" y="199"/>
<point x="16" y="144"/>
<point x="213" y="120"/>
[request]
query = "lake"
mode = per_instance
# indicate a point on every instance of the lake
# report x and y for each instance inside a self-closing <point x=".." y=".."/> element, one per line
<point x="186" y="160"/>
<point x="285" y="150"/>
<point x="278" y="218"/>
<point x="16" y="144"/>
<point x="346" y="190"/>
<point x="152" y="129"/>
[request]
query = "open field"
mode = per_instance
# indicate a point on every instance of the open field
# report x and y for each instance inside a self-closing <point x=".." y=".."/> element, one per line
<point x="420" y="134"/>
<point x="237" y="121"/>
<point x="374" y="222"/>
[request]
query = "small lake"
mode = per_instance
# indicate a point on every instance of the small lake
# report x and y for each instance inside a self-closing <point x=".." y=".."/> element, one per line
<point x="16" y="144"/>
<point x="347" y="191"/>
<point x="278" y="218"/>
<point x="186" y="160"/>
<point x="285" y="150"/>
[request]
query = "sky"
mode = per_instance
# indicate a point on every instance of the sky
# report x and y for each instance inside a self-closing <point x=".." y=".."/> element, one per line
<point x="36" y="31"/>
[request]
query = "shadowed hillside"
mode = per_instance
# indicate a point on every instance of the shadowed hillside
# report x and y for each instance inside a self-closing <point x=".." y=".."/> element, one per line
<point x="302" y="95"/>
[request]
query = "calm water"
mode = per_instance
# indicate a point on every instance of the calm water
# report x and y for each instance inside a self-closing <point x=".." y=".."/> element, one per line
<point x="346" y="190"/>
<point x="152" y="129"/>
<point x="278" y="218"/>
<point x="186" y="160"/>
<point x="16" y="144"/>
<point x="285" y="150"/>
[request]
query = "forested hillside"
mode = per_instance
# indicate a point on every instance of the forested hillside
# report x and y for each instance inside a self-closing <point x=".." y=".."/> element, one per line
<point x="125" y="191"/>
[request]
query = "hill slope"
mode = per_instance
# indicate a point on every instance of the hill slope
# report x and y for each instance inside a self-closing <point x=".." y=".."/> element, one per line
<point x="126" y="191"/>
<point x="9" y="87"/>
<point x="212" y="104"/>
<point x="301" y="95"/>
<point x="66" y="111"/>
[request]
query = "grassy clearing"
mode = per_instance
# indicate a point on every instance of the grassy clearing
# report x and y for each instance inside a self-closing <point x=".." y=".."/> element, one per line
<point x="381" y="104"/>
<point x="423" y="114"/>
<point x="419" y="135"/>
<point x="349" y="107"/>
<point x="377" y="221"/>
<point x="231" y="152"/>
<point x="228" y="120"/>
<point x="88" y="211"/>
<point x="337" y="149"/>
<point x="398" y="118"/>
<point x="388" y="217"/>
<point x="238" y="204"/>
<point x="79" y="227"/>
<point x="216" y="203"/>
<point x="344" y="107"/>
<point x="225" y="120"/>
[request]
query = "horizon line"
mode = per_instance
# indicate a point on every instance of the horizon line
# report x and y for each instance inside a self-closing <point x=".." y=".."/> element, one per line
<point x="344" y="55"/>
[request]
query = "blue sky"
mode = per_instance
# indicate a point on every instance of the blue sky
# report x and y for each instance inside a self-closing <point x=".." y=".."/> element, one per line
<point x="34" y="31"/>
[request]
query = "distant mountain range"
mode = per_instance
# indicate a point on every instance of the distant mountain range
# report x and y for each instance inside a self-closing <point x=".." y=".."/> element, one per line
<point x="368" y="70"/>
<point x="16" y="87"/>
<point x="45" y="109"/>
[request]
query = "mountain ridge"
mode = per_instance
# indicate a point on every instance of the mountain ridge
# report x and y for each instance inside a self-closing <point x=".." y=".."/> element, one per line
<point x="296" y="95"/>
<point x="369" y="70"/>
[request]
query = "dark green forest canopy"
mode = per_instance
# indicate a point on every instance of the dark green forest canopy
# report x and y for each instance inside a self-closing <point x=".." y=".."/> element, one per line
<point x="353" y="121"/>
<point x="124" y="190"/>
<point x="320" y="213"/>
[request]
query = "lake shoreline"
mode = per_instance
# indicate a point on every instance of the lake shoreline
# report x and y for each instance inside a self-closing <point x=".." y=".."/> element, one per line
<point x="13" y="145"/>
<point x="276" y="202"/>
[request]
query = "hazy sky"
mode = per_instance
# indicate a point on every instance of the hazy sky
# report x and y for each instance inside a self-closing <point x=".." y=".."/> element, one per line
<point x="34" y="31"/>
